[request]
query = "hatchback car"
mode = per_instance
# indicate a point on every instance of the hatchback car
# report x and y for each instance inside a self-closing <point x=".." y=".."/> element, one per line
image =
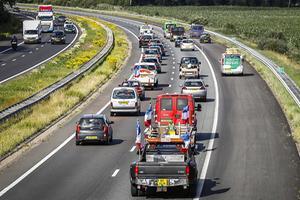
<point x="151" y="53"/>
<point x="152" y="60"/>
<point x="205" y="38"/>
<point x="58" y="36"/>
<point x="195" y="87"/>
<point x="125" y="100"/>
<point x="61" y="20"/>
<point x="187" y="44"/>
<point x="94" y="128"/>
<point x="70" y="28"/>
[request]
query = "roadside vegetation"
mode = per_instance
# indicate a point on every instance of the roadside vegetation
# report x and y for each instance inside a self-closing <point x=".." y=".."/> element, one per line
<point x="11" y="25"/>
<point x="92" y="40"/>
<point x="25" y="125"/>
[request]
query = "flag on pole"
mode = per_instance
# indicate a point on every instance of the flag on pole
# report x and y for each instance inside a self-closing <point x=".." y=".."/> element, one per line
<point x="185" y="113"/>
<point x="148" y="116"/>
<point x="138" y="139"/>
<point x="137" y="71"/>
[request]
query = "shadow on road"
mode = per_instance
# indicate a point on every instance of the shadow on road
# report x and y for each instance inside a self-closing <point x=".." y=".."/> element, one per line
<point x="205" y="136"/>
<point x="209" y="187"/>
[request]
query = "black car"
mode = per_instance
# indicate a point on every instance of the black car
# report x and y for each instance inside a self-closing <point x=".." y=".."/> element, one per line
<point x="144" y="40"/>
<point x="94" y="128"/>
<point x="205" y="38"/>
<point x="58" y="36"/>
<point x="70" y="28"/>
<point x="60" y="20"/>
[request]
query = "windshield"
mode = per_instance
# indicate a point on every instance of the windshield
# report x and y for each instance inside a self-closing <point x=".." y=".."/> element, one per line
<point x="197" y="28"/>
<point x="92" y="123"/>
<point x="145" y="27"/>
<point x="31" y="32"/>
<point x="178" y="30"/>
<point x="45" y="18"/>
<point x="150" y="67"/>
<point x="69" y="26"/>
<point x="151" y="51"/>
<point x="187" y="41"/>
<point x="58" y="33"/>
<point x="193" y="84"/>
<point x="150" y="60"/>
<point x="147" y="37"/>
<point x="193" y="61"/>
<point x="123" y="94"/>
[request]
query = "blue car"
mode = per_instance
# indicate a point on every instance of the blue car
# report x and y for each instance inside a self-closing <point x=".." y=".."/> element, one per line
<point x="196" y="30"/>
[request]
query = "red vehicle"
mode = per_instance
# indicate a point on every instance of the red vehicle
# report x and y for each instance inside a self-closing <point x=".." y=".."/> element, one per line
<point x="45" y="8"/>
<point x="169" y="107"/>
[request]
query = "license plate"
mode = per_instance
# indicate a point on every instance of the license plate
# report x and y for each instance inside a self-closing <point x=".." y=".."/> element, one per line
<point x="123" y="102"/>
<point x="162" y="182"/>
<point x="91" y="137"/>
<point x="227" y="70"/>
<point x="194" y="88"/>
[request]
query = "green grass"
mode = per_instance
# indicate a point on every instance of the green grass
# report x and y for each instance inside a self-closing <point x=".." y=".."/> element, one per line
<point x="91" y="41"/>
<point x="18" y="129"/>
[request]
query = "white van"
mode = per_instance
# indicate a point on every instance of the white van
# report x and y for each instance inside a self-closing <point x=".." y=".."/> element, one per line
<point x="32" y="31"/>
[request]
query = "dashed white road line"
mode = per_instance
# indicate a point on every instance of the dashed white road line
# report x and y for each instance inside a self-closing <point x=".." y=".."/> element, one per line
<point x="23" y="56"/>
<point x="115" y="173"/>
<point x="174" y="63"/>
<point x="133" y="148"/>
<point x="172" y="78"/>
<point x="3" y="64"/>
<point x="173" y="67"/>
<point x="170" y="85"/>
<point x="42" y="45"/>
<point x="173" y="72"/>
<point x="30" y="52"/>
<point x="14" y="60"/>
<point x="37" y="49"/>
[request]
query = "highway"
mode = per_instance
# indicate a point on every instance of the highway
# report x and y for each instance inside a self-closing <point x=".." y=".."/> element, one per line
<point x="244" y="143"/>
<point x="28" y="56"/>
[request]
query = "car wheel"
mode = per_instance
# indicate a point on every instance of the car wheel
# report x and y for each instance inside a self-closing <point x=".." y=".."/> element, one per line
<point x="77" y="142"/>
<point x="111" y="138"/>
<point x="138" y="113"/>
<point x="204" y="99"/>
<point x="112" y="114"/>
<point x="180" y="76"/>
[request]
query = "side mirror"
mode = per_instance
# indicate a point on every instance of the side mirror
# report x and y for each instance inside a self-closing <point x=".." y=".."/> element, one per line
<point x="199" y="107"/>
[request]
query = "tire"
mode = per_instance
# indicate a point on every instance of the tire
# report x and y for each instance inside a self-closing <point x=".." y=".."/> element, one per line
<point x="180" y="76"/>
<point x="138" y="113"/>
<point x="191" y="190"/>
<point x="112" y="114"/>
<point x="111" y="138"/>
<point x="77" y="143"/>
<point x="134" y="190"/>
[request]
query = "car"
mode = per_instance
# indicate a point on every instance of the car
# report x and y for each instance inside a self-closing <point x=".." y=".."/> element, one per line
<point x="58" y="36"/>
<point x="195" y="87"/>
<point x="151" y="53"/>
<point x="144" y="40"/>
<point x="205" y="38"/>
<point x="158" y="48"/>
<point x="189" y="67"/>
<point x="146" y="29"/>
<point x="70" y="28"/>
<point x="187" y="44"/>
<point x="163" y="51"/>
<point x="94" y="128"/>
<point x="179" y="40"/>
<point x="152" y="60"/>
<point x="137" y="85"/>
<point x="124" y="100"/>
<point x="146" y="73"/>
<point x="60" y="20"/>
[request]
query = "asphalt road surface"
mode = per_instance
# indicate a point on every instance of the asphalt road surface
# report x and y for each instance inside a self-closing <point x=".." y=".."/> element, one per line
<point x="28" y="55"/>
<point x="252" y="157"/>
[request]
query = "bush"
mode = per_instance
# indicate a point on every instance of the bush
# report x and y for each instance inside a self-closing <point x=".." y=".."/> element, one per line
<point x="277" y="45"/>
<point x="275" y="35"/>
<point x="229" y="28"/>
<point x="199" y="20"/>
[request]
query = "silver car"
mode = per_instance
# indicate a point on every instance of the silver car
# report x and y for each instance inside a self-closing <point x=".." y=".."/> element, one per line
<point x="195" y="87"/>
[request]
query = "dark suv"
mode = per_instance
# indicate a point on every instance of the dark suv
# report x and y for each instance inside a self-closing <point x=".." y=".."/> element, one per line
<point x="94" y="128"/>
<point x="58" y="36"/>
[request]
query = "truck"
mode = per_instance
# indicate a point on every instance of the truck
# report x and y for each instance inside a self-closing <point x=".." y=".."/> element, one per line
<point x="164" y="163"/>
<point x="46" y="16"/>
<point x="232" y="62"/>
<point x="196" y="30"/>
<point x="167" y="28"/>
<point x="32" y="31"/>
<point x="176" y="32"/>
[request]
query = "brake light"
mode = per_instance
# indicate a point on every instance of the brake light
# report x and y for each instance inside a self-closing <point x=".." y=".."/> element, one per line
<point x="136" y="170"/>
<point x="187" y="170"/>
<point x="111" y="104"/>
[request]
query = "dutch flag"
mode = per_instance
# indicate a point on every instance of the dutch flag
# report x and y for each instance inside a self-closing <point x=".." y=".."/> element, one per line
<point x="185" y="113"/>
<point x="148" y="116"/>
<point x="138" y="133"/>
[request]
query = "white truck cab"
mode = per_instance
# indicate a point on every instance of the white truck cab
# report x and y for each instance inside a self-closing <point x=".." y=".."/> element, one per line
<point x="32" y="31"/>
<point x="46" y="16"/>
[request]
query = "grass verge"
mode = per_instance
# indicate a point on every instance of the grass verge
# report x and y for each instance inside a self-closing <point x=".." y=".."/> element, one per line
<point x="28" y="123"/>
<point x="91" y="41"/>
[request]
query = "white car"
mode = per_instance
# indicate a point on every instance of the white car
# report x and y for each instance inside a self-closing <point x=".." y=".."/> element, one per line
<point x="124" y="100"/>
<point x="146" y="29"/>
<point x="195" y="87"/>
<point x="187" y="44"/>
<point x="146" y="73"/>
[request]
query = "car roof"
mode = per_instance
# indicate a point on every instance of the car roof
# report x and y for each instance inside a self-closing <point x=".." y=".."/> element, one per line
<point x="89" y="116"/>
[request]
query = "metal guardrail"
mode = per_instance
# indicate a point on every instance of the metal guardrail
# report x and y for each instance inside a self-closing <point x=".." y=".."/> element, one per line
<point x="43" y="94"/>
<point x="286" y="81"/>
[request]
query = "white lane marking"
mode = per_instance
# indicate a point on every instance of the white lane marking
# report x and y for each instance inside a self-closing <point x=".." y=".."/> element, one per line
<point x="173" y="67"/>
<point x="32" y="169"/>
<point x="42" y="45"/>
<point x="172" y="54"/>
<point x="43" y="60"/>
<point x="10" y="48"/>
<point x="213" y="131"/>
<point x="3" y="64"/>
<point x="170" y="85"/>
<point x="36" y="49"/>
<point x="23" y="56"/>
<point x="132" y="149"/>
<point x="173" y="72"/>
<point x="174" y="63"/>
<point x="115" y="173"/>
<point x="14" y="60"/>
<point x="172" y="79"/>
<point x="173" y="58"/>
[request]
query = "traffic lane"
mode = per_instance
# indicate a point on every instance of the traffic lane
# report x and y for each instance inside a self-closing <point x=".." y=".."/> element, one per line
<point x="27" y="55"/>
<point x="254" y="156"/>
<point x="97" y="154"/>
<point x="64" y="129"/>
